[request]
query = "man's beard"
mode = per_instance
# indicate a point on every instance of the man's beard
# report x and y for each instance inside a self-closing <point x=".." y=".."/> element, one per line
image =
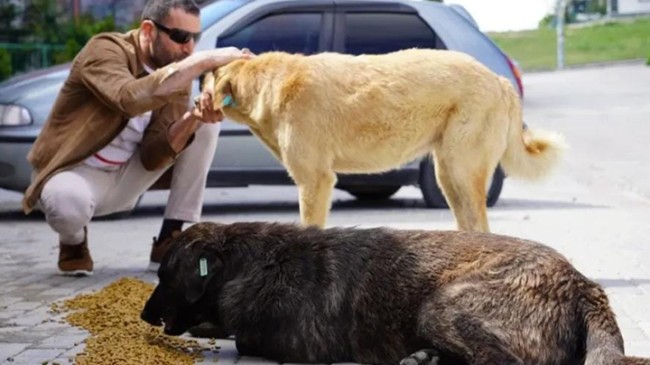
<point x="159" y="56"/>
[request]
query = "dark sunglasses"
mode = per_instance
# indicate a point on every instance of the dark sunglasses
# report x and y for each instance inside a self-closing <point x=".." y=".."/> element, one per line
<point x="177" y="35"/>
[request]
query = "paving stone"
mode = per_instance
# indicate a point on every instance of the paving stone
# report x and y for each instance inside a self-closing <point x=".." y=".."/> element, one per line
<point x="10" y="314"/>
<point x="9" y="350"/>
<point x="7" y="300"/>
<point x="24" y="306"/>
<point x="63" y="341"/>
<point x="71" y="353"/>
<point x="36" y="356"/>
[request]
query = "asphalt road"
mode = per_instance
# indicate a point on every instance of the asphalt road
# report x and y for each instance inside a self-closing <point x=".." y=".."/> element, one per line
<point x="595" y="208"/>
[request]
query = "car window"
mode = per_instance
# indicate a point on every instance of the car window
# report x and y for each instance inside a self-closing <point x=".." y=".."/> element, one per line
<point x="211" y="13"/>
<point x="377" y="33"/>
<point x="291" y="32"/>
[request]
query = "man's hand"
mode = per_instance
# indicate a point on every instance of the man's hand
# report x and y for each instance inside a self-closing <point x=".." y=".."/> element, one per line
<point x="216" y="58"/>
<point x="205" y="109"/>
<point x="199" y="63"/>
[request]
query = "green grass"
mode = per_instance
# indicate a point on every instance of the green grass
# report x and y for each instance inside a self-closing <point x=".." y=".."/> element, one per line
<point x="620" y="40"/>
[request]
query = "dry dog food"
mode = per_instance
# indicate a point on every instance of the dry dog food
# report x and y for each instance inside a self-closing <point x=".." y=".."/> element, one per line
<point x="117" y="334"/>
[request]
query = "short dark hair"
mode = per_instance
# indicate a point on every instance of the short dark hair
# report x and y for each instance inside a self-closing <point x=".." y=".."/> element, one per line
<point x="158" y="10"/>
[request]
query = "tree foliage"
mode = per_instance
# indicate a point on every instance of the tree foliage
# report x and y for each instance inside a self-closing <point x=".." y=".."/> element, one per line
<point x="44" y="22"/>
<point x="5" y="64"/>
<point x="76" y="33"/>
<point x="7" y="13"/>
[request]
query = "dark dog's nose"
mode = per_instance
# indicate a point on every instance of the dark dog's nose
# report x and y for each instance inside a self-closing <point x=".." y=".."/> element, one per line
<point x="150" y="318"/>
<point x="151" y="312"/>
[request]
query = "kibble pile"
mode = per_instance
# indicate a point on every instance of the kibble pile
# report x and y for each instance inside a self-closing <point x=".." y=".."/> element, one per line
<point x="117" y="334"/>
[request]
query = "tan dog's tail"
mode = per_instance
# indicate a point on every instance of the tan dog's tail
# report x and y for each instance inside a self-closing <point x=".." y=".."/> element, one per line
<point x="604" y="343"/>
<point x="530" y="154"/>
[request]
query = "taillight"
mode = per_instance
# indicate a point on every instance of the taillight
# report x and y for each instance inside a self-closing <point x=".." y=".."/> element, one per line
<point x="517" y="73"/>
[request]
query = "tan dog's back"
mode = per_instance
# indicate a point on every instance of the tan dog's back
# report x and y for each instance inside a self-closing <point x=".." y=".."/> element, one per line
<point x="386" y="111"/>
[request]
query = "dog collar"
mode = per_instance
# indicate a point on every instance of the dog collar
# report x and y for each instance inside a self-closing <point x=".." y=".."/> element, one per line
<point x="229" y="101"/>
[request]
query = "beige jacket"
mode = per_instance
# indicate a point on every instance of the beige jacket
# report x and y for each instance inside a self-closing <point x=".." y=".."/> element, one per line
<point x="107" y="86"/>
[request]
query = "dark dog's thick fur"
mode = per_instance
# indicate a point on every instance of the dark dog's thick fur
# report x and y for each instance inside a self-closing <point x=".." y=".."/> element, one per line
<point x="379" y="296"/>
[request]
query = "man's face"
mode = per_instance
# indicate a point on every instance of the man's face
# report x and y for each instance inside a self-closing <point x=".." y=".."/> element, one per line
<point x="163" y="49"/>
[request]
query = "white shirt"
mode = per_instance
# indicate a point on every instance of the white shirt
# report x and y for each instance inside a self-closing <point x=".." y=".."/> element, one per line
<point x="122" y="148"/>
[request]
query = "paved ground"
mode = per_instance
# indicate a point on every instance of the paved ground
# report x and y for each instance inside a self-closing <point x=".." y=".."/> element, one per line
<point x="595" y="210"/>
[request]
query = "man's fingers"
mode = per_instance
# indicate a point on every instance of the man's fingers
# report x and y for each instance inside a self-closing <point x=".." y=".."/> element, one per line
<point x="206" y="102"/>
<point x="208" y="116"/>
<point x="247" y="53"/>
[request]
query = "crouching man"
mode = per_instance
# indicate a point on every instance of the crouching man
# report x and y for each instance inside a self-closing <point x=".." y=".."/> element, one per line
<point x="122" y="118"/>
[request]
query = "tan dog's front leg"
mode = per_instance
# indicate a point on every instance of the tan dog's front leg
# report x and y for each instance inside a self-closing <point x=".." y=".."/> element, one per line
<point x="315" y="195"/>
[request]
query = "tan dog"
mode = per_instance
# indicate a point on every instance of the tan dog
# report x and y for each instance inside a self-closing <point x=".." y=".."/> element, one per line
<point x="334" y="113"/>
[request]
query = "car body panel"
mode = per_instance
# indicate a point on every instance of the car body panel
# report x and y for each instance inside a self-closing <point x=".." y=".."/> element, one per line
<point x="15" y="171"/>
<point x="459" y="34"/>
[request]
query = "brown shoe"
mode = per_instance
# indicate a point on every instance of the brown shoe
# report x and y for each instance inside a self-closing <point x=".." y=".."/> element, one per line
<point x="159" y="249"/>
<point x="75" y="260"/>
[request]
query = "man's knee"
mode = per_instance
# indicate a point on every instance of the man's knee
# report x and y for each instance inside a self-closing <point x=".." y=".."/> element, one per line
<point x="67" y="209"/>
<point x="196" y="159"/>
<point x="206" y="137"/>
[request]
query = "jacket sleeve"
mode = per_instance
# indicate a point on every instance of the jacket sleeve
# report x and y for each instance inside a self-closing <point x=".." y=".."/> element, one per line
<point x="104" y="70"/>
<point x="156" y="150"/>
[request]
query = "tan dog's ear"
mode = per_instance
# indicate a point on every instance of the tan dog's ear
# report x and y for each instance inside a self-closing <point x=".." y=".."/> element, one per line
<point x="223" y="95"/>
<point x="206" y="82"/>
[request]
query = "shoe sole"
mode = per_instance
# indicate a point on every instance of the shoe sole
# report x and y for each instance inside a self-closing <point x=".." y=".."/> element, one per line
<point x="76" y="273"/>
<point x="153" y="266"/>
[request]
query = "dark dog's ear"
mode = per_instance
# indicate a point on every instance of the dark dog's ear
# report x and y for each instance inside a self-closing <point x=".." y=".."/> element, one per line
<point x="206" y="267"/>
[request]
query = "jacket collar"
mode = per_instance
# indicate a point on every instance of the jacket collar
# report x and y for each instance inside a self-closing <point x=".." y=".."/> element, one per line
<point x="134" y="38"/>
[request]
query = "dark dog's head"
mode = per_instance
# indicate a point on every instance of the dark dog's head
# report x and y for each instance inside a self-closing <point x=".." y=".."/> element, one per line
<point x="191" y="264"/>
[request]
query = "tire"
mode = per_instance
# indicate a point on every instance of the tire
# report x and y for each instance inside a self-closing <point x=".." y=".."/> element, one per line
<point x="496" y="186"/>
<point x="433" y="196"/>
<point x="368" y="193"/>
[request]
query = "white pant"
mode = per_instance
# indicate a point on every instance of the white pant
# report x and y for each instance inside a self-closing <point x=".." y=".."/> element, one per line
<point x="70" y="199"/>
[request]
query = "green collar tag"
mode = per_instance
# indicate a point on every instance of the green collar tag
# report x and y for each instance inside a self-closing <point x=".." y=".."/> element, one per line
<point x="203" y="267"/>
<point x="229" y="101"/>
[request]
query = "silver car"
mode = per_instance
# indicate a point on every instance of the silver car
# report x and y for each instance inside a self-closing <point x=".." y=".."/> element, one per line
<point x="303" y="26"/>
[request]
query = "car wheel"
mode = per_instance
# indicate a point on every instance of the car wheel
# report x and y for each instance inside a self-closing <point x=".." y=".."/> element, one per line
<point x="367" y="193"/>
<point x="433" y="196"/>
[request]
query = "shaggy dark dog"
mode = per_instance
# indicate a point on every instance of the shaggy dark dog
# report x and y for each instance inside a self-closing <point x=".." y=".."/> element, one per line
<point x="381" y="296"/>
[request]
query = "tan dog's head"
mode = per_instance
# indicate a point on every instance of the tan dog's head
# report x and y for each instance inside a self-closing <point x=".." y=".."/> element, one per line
<point x="247" y="91"/>
<point x="230" y="82"/>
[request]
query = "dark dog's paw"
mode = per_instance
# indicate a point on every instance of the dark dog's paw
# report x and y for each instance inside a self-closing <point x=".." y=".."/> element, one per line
<point x="422" y="357"/>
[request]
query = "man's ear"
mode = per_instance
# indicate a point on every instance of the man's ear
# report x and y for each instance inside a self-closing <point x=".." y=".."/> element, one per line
<point x="206" y="267"/>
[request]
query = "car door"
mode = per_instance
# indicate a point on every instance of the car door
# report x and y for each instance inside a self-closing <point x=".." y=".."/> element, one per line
<point x="297" y="26"/>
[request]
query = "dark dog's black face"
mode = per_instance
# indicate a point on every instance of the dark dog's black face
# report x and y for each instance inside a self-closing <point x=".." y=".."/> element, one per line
<point x="180" y="300"/>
